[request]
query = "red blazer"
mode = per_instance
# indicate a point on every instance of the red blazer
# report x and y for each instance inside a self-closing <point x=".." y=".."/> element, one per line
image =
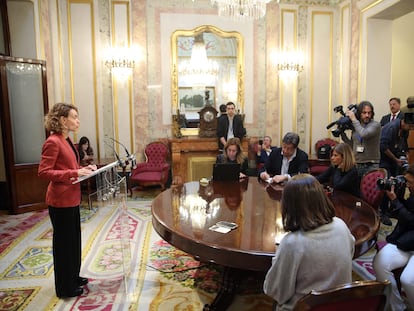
<point x="59" y="164"/>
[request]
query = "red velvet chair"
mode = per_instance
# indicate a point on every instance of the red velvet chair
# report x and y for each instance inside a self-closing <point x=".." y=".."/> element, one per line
<point x="155" y="171"/>
<point x="320" y="165"/>
<point x="355" y="296"/>
<point x="369" y="190"/>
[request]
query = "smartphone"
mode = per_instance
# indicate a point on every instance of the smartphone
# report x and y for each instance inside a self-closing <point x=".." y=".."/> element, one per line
<point x="260" y="142"/>
<point x="227" y="224"/>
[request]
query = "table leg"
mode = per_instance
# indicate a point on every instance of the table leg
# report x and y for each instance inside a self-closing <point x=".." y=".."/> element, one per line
<point x="225" y="295"/>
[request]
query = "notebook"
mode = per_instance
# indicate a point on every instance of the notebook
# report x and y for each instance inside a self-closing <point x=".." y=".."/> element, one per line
<point x="226" y="172"/>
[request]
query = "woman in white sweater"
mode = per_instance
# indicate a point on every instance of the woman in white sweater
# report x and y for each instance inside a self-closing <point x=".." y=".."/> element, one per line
<point x="317" y="252"/>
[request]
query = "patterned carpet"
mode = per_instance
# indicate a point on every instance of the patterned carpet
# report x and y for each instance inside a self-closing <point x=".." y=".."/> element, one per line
<point x="158" y="276"/>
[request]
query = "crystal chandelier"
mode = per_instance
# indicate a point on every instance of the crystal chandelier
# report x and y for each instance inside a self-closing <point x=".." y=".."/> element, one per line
<point x="199" y="70"/>
<point x="241" y="9"/>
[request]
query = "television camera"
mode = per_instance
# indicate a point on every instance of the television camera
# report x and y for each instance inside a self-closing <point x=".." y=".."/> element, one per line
<point x="343" y="123"/>
<point x="399" y="182"/>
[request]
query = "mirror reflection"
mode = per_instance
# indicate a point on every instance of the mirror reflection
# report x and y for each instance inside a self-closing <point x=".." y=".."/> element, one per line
<point x="205" y="59"/>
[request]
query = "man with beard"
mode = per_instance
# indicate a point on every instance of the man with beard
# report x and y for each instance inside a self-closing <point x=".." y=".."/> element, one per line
<point x="365" y="138"/>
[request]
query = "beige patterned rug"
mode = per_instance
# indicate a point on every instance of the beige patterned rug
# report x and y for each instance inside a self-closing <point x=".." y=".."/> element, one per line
<point x="158" y="276"/>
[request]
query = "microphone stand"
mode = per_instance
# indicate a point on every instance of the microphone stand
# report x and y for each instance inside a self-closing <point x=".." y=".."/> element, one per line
<point x="130" y="157"/>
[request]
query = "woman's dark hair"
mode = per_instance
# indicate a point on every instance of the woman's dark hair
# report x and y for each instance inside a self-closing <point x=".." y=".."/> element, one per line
<point x="52" y="119"/>
<point x="89" y="151"/>
<point x="305" y="206"/>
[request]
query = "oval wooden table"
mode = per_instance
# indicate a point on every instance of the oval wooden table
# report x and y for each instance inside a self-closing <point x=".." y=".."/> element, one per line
<point x="182" y="216"/>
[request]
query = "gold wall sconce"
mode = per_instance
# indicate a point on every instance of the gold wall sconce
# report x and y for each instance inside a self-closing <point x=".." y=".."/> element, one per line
<point x="121" y="61"/>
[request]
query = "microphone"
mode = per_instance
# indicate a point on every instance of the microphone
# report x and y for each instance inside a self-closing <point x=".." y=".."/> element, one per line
<point x="121" y="162"/>
<point x="130" y="157"/>
<point x="133" y="162"/>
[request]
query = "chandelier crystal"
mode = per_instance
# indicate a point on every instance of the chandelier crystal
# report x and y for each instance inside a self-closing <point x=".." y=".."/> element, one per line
<point x="199" y="70"/>
<point x="241" y="9"/>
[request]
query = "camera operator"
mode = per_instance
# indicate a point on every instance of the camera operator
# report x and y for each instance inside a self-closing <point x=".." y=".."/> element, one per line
<point x="365" y="138"/>
<point x="399" y="251"/>
<point x="394" y="146"/>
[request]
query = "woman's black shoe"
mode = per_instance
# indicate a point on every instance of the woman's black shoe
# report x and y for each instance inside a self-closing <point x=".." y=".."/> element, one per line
<point x="82" y="281"/>
<point x="76" y="292"/>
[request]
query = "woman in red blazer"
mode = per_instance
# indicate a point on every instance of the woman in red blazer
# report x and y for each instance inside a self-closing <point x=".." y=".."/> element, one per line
<point x="60" y="165"/>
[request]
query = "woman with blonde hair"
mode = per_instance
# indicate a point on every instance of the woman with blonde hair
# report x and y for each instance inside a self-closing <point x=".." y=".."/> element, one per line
<point x="233" y="153"/>
<point x="342" y="174"/>
<point x="316" y="253"/>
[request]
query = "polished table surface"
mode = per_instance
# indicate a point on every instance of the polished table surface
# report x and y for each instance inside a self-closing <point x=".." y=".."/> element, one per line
<point x="183" y="214"/>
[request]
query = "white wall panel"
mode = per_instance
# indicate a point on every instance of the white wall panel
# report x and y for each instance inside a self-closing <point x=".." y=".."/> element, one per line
<point x="82" y="61"/>
<point x="321" y="74"/>
<point x="122" y="94"/>
<point x="344" y="59"/>
<point x="378" y="65"/>
<point x="24" y="29"/>
<point x="288" y="88"/>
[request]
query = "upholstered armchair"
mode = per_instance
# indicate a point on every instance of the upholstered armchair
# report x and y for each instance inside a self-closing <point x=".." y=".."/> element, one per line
<point x="370" y="192"/>
<point x="154" y="171"/>
<point x="322" y="149"/>
<point x="358" y="295"/>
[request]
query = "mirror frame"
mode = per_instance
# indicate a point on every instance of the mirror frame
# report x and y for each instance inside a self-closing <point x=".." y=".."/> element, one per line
<point x="192" y="33"/>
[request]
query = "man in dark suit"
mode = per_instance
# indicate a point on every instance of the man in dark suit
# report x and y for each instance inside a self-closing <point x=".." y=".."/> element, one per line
<point x="395" y="104"/>
<point x="229" y="126"/>
<point x="286" y="161"/>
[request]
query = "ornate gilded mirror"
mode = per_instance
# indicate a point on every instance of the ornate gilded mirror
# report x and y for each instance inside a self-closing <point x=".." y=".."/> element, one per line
<point x="205" y="60"/>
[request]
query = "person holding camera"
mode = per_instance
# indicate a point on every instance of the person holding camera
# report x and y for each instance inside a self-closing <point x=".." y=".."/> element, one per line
<point x="394" y="146"/>
<point x="342" y="174"/>
<point x="264" y="148"/>
<point x="285" y="161"/>
<point x="365" y="137"/>
<point x="399" y="251"/>
<point x="394" y="152"/>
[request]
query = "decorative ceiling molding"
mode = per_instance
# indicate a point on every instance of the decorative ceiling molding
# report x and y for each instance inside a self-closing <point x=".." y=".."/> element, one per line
<point x="311" y="2"/>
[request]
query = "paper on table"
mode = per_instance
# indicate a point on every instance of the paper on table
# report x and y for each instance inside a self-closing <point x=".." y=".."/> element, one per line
<point x="219" y="229"/>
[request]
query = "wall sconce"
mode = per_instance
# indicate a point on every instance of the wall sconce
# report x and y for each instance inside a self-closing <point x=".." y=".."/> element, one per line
<point x="289" y="64"/>
<point x="121" y="61"/>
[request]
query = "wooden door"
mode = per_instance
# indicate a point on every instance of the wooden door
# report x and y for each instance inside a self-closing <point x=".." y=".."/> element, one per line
<point x="23" y="107"/>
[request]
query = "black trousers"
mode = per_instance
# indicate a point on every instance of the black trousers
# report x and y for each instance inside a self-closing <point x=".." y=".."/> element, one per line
<point x="66" y="248"/>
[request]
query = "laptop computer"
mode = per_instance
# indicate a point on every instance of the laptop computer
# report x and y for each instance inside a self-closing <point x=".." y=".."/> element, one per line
<point x="226" y="172"/>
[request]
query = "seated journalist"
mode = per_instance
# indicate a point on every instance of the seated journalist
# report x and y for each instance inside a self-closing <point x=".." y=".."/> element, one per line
<point x="233" y="153"/>
<point x="316" y="253"/>
<point x="399" y="251"/>
<point x="342" y="174"/>
<point x="285" y="161"/>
